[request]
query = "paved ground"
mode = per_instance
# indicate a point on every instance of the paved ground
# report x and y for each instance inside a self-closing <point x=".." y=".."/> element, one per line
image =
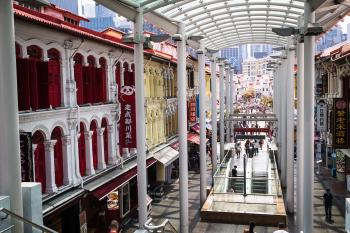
<point x="168" y="208"/>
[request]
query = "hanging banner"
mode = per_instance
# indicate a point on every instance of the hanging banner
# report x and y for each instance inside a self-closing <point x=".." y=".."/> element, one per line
<point x="250" y="130"/>
<point x="340" y="125"/>
<point x="26" y="152"/>
<point x="192" y="111"/>
<point x="127" y="130"/>
<point x="321" y="121"/>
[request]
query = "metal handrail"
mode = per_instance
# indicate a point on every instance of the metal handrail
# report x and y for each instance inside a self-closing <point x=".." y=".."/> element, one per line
<point x="172" y="227"/>
<point x="20" y="218"/>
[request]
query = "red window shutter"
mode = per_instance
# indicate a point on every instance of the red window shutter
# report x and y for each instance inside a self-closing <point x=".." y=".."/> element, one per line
<point x="23" y="84"/>
<point x="33" y="82"/>
<point x="117" y="76"/>
<point x="82" y="155"/>
<point x="39" y="160"/>
<point x="101" y="84"/>
<point x="78" y="75"/>
<point x="105" y="144"/>
<point x="93" y="85"/>
<point x="58" y="163"/>
<point x="54" y="83"/>
<point x="94" y="148"/>
<point x="43" y="85"/>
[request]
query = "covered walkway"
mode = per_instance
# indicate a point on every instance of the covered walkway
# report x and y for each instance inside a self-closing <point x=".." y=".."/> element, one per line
<point x="206" y="26"/>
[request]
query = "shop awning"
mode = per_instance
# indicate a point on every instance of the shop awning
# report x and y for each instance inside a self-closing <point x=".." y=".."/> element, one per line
<point x="196" y="127"/>
<point x="102" y="191"/>
<point x="194" y="138"/>
<point x="166" y="156"/>
<point x="191" y="137"/>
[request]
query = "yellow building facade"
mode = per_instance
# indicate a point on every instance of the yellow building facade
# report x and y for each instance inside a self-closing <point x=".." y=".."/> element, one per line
<point x="161" y="105"/>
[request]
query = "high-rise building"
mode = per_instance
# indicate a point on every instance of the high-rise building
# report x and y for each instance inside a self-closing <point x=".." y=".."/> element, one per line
<point x="235" y="56"/>
<point x="71" y="5"/>
<point x="348" y="31"/>
<point x="332" y="37"/>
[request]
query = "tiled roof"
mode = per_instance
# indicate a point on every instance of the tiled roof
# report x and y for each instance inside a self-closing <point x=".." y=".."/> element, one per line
<point x="47" y="20"/>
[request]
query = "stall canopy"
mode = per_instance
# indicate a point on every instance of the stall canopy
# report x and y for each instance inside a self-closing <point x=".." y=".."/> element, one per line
<point x="166" y="156"/>
<point x="194" y="138"/>
<point x="117" y="182"/>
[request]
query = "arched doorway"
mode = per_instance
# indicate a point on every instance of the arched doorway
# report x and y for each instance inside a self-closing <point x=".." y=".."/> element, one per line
<point x="105" y="138"/>
<point x="39" y="159"/>
<point x="54" y="77"/>
<point x="78" y="77"/>
<point x="93" y="128"/>
<point x="58" y="157"/>
<point x="81" y="148"/>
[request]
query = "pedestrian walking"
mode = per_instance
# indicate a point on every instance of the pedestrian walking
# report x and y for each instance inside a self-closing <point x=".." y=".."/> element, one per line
<point x="328" y="202"/>
<point x="114" y="227"/>
<point x="234" y="175"/>
<point x="251" y="228"/>
<point x="238" y="150"/>
<point x="281" y="228"/>
<point x="246" y="146"/>
<point x="256" y="147"/>
<point x="261" y="142"/>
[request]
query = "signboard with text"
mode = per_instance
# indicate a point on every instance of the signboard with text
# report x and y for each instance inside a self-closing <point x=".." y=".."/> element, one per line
<point x="192" y="111"/>
<point x="26" y="153"/>
<point x="259" y="130"/>
<point x="127" y="117"/>
<point x="321" y="117"/>
<point x="340" y="123"/>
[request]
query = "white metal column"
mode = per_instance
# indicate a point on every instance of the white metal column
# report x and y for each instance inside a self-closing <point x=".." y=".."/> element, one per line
<point x="231" y="100"/>
<point x="140" y="121"/>
<point x="300" y="137"/>
<point x="227" y="101"/>
<point x="214" y="117"/>
<point x="182" y="124"/>
<point x="290" y="131"/>
<point x="309" y="104"/>
<point x="222" y="97"/>
<point x="202" y="125"/>
<point x="283" y="124"/>
<point x="10" y="165"/>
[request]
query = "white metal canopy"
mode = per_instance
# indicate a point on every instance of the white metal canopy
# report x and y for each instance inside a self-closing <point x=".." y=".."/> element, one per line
<point x="226" y="23"/>
<point x="229" y="23"/>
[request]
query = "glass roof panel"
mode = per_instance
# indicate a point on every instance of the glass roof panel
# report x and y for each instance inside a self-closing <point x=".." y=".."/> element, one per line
<point x="233" y="20"/>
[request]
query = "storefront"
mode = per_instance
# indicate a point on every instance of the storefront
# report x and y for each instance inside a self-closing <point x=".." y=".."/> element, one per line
<point x="167" y="165"/>
<point x="114" y="200"/>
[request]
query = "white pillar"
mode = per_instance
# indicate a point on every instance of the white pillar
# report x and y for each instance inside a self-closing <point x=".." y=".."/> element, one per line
<point x="182" y="125"/>
<point x="68" y="83"/>
<point x="228" y="105"/>
<point x="231" y="100"/>
<point x="101" y="164"/>
<point x="222" y="97"/>
<point x="140" y="121"/>
<point x="290" y="131"/>
<point x="112" y="152"/>
<point x="283" y="124"/>
<point x="214" y="117"/>
<point x="202" y="125"/>
<point x="10" y="165"/>
<point x="67" y="160"/>
<point x="309" y="104"/>
<point x="90" y="170"/>
<point x="300" y="137"/>
<point x="50" y="166"/>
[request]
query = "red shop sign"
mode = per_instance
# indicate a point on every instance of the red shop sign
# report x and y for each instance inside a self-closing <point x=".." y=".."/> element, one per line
<point x="192" y="111"/>
<point x="128" y="117"/>
<point x="340" y="124"/>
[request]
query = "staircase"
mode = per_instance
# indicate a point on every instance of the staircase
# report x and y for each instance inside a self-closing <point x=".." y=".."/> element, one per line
<point x="165" y="227"/>
<point x="260" y="186"/>
<point x="238" y="185"/>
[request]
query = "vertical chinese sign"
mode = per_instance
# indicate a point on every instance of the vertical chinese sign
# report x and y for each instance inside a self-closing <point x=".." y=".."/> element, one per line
<point x="192" y="111"/>
<point x="128" y="117"/>
<point x="340" y="126"/>
<point x="321" y="117"/>
<point x="26" y="156"/>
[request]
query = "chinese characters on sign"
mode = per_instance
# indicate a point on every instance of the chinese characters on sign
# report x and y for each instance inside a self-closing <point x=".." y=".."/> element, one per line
<point x="321" y="117"/>
<point x="192" y="111"/>
<point x="26" y="156"/>
<point x="340" y="126"/>
<point x="128" y="117"/>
